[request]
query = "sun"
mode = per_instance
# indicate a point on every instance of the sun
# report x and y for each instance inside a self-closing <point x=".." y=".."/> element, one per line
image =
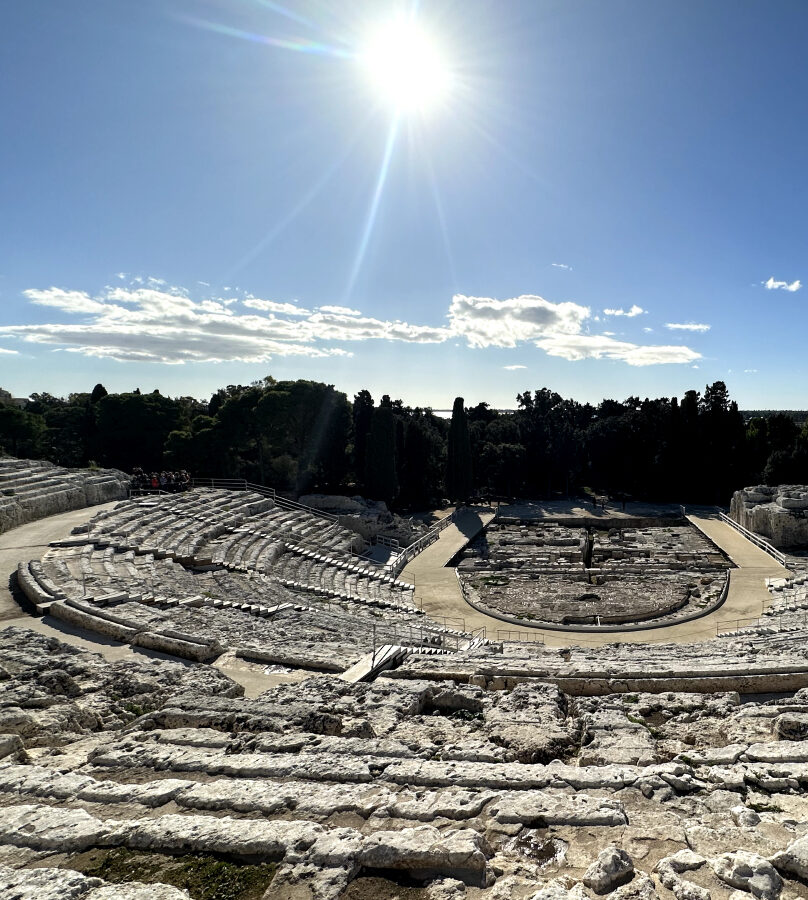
<point x="406" y="67"/>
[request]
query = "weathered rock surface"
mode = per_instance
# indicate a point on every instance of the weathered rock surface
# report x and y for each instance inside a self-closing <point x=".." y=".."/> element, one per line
<point x="35" y="489"/>
<point x="498" y="773"/>
<point x="612" y="868"/>
<point x="748" y="872"/>
<point x="776" y="513"/>
<point x="64" y="884"/>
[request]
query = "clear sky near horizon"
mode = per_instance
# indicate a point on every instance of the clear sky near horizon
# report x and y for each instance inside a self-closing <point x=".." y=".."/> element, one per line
<point x="454" y="197"/>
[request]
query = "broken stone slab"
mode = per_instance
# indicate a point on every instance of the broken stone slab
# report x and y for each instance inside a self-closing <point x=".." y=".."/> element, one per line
<point x="137" y="891"/>
<point x="46" y="884"/>
<point x="794" y="859"/>
<point x="670" y="870"/>
<point x="52" y="828"/>
<point x="423" y="852"/>
<point x="641" y="887"/>
<point x="311" y="766"/>
<point x="557" y="889"/>
<point x="714" y="756"/>
<point x="612" y="868"/>
<point x="791" y="726"/>
<point x="744" y="817"/>
<point x="778" y="751"/>
<point x="10" y="744"/>
<point x="64" y="884"/>
<point x="539" y="809"/>
<point x="748" y="872"/>
<point x="426" y="853"/>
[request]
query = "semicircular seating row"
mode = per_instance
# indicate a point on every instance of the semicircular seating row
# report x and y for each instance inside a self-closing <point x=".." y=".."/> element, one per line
<point x="233" y="569"/>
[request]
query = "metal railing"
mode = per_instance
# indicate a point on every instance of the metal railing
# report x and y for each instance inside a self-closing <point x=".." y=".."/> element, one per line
<point x="525" y="637"/>
<point x="776" y="622"/>
<point x="241" y="484"/>
<point x="422" y="543"/>
<point x="756" y="539"/>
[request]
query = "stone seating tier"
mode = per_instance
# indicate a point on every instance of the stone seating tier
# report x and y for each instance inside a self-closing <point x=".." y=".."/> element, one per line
<point x="33" y="489"/>
<point x="445" y="786"/>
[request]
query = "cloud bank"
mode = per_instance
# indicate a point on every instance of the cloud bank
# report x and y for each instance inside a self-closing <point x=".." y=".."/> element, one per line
<point x="146" y="321"/>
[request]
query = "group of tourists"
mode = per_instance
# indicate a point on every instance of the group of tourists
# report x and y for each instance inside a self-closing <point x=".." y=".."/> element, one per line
<point x="172" y="482"/>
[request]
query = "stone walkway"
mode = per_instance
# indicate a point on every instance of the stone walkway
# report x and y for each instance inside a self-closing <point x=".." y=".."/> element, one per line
<point x="437" y="590"/>
<point x="438" y="593"/>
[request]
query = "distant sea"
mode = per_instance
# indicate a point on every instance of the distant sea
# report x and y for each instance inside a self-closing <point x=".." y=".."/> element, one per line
<point x="447" y="413"/>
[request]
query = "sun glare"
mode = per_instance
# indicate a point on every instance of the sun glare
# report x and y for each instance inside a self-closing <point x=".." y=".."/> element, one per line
<point x="406" y="67"/>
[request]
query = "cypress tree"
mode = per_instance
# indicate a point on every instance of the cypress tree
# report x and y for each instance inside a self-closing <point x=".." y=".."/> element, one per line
<point x="382" y="482"/>
<point x="458" y="461"/>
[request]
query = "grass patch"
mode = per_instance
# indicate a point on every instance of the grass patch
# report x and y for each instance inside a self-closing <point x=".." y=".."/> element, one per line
<point x="764" y="807"/>
<point x="494" y="580"/>
<point x="204" y="876"/>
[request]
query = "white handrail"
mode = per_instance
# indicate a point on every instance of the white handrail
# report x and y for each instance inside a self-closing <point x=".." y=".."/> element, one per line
<point x="422" y="543"/>
<point x="755" y="539"/>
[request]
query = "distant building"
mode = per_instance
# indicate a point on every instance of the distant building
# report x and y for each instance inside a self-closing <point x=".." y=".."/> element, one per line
<point x="7" y="400"/>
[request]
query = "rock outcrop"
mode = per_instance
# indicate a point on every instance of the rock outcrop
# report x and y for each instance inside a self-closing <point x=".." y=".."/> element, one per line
<point x="780" y="514"/>
<point x="33" y="489"/>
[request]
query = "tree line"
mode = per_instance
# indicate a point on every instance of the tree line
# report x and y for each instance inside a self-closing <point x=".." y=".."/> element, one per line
<point x="302" y="436"/>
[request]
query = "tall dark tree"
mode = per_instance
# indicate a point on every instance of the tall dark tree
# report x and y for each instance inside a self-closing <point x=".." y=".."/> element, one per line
<point x="458" y="455"/>
<point x="382" y="483"/>
<point x="362" y="418"/>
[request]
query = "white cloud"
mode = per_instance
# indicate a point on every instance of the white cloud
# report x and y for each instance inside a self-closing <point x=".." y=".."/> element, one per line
<point x="485" y="322"/>
<point x="140" y="322"/>
<point x="339" y="310"/>
<point x="687" y="326"/>
<point x="69" y="301"/>
<point x="513" y="368"/>
<point x="647" y="330"/>
<point x="750" y="371"/>
<point x="561" y="266"/>
<point x="772" y="285"/>
<point x="630" y="313"/>
<point x="287" y="309"/>
<point x="9" y="352"/>
<point x="575" y="347"/>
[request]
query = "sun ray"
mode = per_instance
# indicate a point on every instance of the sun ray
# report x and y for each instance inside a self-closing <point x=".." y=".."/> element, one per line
<point x="433" y="184"/>
<point x="374" y="206"/>
<point x="298" y="208"/>
<point x="299" y="45"/>
<point x="284" y="11"/>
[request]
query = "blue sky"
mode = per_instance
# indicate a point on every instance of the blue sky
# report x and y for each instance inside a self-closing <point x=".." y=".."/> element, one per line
<point x="608" y="200"/>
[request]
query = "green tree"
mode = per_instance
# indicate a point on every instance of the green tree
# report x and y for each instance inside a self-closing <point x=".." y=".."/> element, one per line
<point x="382" y="482"/>
<point x="458" y="455"/>
<point x="362" y="418"/>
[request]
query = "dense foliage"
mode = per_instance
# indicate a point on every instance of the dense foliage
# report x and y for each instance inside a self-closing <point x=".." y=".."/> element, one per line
<point x="301" y="436"/>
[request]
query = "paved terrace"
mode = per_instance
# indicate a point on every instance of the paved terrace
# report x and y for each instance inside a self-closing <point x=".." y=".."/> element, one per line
<point x="438" y="592"/>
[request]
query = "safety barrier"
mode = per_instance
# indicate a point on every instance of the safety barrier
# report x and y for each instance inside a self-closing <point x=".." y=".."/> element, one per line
<point x="422" y="543"/>
<point x="756" y="539"/>
<point x="241" y="484"/>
